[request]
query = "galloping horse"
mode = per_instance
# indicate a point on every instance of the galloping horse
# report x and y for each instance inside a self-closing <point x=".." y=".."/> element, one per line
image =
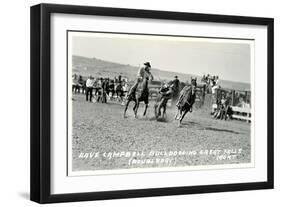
<point x="186" y="100"/>
<point x="142" y="95"/>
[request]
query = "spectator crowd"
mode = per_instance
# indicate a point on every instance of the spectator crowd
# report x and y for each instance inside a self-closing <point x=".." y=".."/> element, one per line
<point x="100" y="89"/>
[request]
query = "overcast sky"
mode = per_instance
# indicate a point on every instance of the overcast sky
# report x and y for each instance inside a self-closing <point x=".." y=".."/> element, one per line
<point x="230" y="60"/>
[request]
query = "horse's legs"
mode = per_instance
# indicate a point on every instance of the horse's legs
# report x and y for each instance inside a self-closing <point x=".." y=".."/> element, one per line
<point x="126" y="107"/>
<point x="158" y="110"/>
<point x="136" y="108"/>
<point x="177" y="114"/>
<point x="155" y="110"/>
<point x="145" y="109"/>
<point x="160" y="105"/>
<point x="164" y="111"/>
<point x="182" y="116"/>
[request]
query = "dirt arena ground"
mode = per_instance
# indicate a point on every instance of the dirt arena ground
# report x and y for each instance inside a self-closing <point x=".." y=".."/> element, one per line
<point x="99" y="130"/>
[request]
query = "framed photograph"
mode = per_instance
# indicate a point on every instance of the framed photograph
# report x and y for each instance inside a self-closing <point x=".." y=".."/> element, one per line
<point x="133" y="103"/>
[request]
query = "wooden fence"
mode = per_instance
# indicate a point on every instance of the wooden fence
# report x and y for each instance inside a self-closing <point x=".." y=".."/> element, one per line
<point x="241" y="113"/>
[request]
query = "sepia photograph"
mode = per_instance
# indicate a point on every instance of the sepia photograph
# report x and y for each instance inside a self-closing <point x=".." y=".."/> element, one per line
<point x="152" y="102"/>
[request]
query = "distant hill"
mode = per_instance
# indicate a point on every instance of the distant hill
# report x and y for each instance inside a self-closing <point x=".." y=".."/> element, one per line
<point x="102" y="68"/>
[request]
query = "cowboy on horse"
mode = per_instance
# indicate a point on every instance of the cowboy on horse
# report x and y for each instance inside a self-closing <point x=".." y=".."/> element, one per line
<point x="143" y="72"/>
<point x="143" y="76"/>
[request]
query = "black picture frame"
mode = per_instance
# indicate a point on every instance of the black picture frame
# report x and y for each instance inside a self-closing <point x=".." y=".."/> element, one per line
<point x="41" y="98"/>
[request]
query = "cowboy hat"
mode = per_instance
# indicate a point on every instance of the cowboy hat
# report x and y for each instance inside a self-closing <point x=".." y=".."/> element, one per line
<point x="147" y="64"/>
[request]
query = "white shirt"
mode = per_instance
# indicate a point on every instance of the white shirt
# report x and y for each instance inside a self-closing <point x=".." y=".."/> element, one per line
<point x="90" y="82"/>
<point x="214" y="88"/>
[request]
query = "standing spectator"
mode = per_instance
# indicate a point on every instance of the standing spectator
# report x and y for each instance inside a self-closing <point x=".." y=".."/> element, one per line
<point x="119" y="78"/>
<point x="89" y="88"/>
<point x="204" y="89"/>
<point x="125" y="89"/>
<point x="215" y="103"/>
<point x="119" y="91"/>
<point x="84" y="87"/>
<point x="74" y="83"/>
<point x="215" y="84"/>
<point x="99" y="91"/>
<point x="107" y="86"/>
<point x="80" y="84"/>
<point x="103" y="90"/>
<point x="208" y="83"/>
<point x="206" y="79"/>
<point x="111" y="88"/>
<point x="217" y="80"/>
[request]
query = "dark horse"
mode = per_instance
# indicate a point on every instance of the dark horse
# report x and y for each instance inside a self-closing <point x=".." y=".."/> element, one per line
<point x="142" y="95"/>
<point x="185" y="102"/>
